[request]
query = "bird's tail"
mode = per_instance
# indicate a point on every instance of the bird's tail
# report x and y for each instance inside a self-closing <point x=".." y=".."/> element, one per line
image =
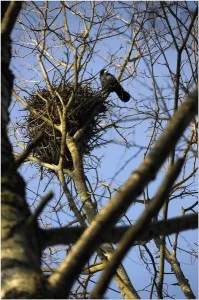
<point x="122" y="94"/>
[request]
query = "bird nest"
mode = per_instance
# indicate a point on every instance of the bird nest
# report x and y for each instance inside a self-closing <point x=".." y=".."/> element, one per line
<point x="86" y="111"/>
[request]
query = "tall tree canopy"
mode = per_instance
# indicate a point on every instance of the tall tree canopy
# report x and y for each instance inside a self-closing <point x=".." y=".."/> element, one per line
<point x="95" y="189"/>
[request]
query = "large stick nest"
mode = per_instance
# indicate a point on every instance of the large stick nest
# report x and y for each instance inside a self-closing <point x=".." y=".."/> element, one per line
<point x="85" y="102"/>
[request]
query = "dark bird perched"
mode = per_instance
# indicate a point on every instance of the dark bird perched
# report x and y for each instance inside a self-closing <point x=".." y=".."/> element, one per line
<point x="110" y="83"/>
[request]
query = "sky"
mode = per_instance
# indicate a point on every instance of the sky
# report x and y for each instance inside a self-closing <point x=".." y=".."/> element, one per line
<point x="117" y="161"/>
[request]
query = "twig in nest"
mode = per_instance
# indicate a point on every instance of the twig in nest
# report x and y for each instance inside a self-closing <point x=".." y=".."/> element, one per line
<point x="87" y="104"/>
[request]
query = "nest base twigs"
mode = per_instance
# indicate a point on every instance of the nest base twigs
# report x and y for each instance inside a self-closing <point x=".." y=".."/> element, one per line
<point x="81" y="122"/>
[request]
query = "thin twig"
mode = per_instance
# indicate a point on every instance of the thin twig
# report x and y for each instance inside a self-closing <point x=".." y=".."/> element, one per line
<point x="44" y="200"/>
<point x="19" y="160"/>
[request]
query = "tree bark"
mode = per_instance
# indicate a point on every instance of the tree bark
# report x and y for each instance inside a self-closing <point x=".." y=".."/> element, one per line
<point x="20" y="254"/>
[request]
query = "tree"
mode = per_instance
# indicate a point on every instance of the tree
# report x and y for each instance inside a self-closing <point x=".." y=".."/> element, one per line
<point x="56" y="44"/>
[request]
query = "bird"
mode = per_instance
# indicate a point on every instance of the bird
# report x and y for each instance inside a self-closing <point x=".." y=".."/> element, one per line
<point x="110" y="83"/>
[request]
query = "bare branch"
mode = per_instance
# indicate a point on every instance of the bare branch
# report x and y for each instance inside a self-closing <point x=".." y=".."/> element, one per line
<point x="131" y="235"/>
<point x="20" y="159"/>
<point x="69" y="269"/>
<point x="66" y="235"/>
